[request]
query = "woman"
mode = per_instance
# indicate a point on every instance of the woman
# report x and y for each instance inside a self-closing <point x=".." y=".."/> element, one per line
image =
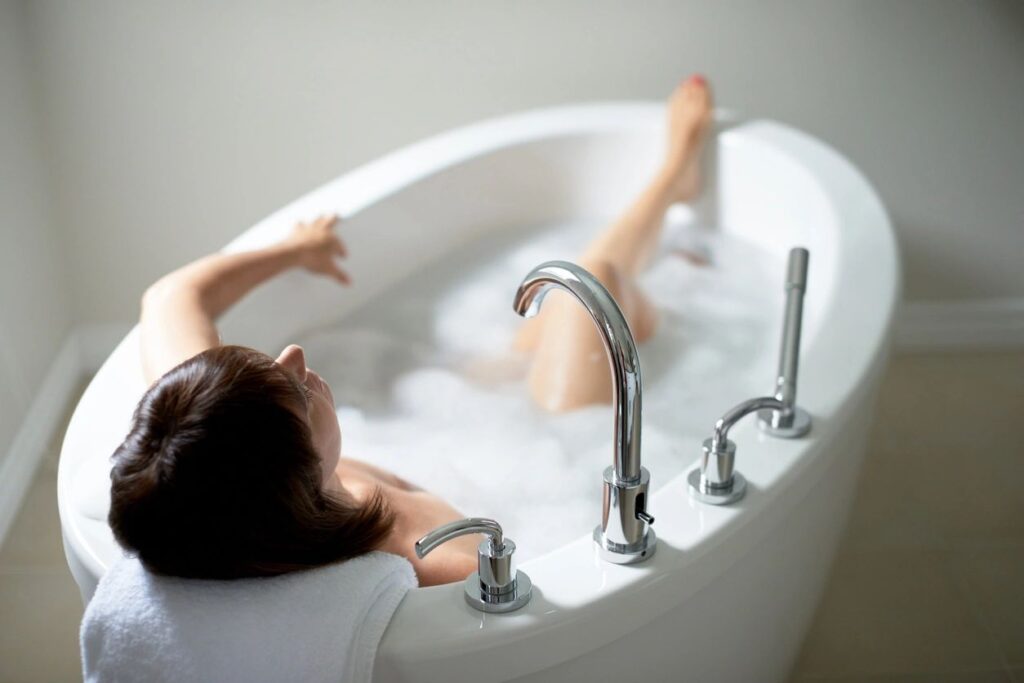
<point x="233" y="464"/>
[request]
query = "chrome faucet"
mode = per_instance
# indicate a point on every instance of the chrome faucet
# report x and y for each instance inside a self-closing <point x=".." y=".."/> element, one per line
<point x="790" y="421"/>
<point x="624" y="535"/>
<point x="716" y="481"/>
<point x="496" y="586"/>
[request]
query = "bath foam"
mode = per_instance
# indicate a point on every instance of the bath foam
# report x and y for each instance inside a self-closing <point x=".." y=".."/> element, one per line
<point x="428" y="387"/>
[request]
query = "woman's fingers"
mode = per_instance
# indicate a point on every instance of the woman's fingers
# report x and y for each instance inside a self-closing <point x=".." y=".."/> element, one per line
<point x="333" y="270"/>
<point x="327" y="220"/>
<point x="321" y="247"/>
<point x="325" y="224"/>
<point x="340" y="275"/>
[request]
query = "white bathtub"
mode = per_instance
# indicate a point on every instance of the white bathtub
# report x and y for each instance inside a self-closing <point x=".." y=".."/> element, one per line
<point x="730" y="592"/>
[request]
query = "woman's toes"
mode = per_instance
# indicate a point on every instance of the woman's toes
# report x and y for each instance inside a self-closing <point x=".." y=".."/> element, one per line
<point x="689" y="115"/>
<point x="690" y="107"/>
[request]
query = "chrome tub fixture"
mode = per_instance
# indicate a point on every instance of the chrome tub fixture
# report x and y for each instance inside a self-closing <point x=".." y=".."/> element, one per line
<point x="496" y="586"/>
<point x="790" y="421"/>
<point x="624" y="535"/>
<point x="716" y="481"/>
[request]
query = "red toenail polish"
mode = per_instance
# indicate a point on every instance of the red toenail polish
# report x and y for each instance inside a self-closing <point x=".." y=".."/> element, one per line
<point x="698" y="79"/>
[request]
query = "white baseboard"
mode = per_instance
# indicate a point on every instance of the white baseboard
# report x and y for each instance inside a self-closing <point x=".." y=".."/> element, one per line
<point x="980" y="324"/>
<point x="83" y="351"/>
<point x="29" y="446"/>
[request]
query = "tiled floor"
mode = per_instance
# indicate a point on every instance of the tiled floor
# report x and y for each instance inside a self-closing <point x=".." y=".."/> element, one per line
<point x="929" y="581"/>
<point x="928" y="584"/>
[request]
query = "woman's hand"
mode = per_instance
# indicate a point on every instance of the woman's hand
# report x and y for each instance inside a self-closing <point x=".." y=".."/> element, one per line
<point x="179" y="311"/>
<point x="318" y="248"/>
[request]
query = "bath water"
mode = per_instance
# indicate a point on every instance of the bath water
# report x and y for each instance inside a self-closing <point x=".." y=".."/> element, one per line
<point x="428" y="386"/>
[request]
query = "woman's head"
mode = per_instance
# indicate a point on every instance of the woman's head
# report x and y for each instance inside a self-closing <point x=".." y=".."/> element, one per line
<point x="223" y="472"/>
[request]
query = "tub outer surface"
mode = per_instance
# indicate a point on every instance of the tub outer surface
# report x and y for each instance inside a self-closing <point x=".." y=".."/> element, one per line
<point x="731" y="590"/>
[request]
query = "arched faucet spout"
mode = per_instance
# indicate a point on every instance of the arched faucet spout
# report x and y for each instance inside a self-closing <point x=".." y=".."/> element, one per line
<point x="618" y="343"/>
<point x="624" y="535"/>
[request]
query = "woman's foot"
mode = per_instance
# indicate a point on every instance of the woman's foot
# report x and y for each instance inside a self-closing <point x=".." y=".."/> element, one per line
<point x="689" y="120"/>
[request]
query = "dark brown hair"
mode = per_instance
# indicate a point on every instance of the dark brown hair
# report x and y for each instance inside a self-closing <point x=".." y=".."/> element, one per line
<point x="218" y="477"/>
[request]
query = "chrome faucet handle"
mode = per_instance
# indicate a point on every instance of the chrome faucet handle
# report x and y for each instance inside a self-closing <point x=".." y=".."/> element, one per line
<point x="496" y="586"/>
<point x="716" y="481"/>
<point x="790" y="421"/>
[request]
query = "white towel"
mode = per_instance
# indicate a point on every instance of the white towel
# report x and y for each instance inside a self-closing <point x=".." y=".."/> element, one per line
<point x="318" y="625"/>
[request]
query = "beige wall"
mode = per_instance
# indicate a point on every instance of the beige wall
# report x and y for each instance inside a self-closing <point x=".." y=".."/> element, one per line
<point x="175" y="125"/>
<point x="35" y="314"/>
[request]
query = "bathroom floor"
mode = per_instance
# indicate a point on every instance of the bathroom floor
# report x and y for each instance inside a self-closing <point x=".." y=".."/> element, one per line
<point x="40" y="606"/>
<point x="928" y="584"/>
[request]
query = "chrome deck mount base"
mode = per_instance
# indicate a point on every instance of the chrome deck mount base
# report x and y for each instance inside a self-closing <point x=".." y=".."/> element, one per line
<point x="772" y="422"/>
<point x="479" y="599"/>
<point x="617" y="553"/>
<point x="712" y="494"/>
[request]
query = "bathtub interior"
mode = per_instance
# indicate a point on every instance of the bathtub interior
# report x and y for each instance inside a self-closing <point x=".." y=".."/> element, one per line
<point x="438" y="430"/>
<point x="428" y="384"/>
<point x="757" y="192"/>
<point x="754" y="190"/>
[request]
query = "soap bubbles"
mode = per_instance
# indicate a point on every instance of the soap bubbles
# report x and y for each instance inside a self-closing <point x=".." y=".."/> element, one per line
<point x="428" y="386"/>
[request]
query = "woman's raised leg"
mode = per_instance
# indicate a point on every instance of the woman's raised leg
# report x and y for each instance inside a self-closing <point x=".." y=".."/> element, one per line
<point x="570" y="368"/>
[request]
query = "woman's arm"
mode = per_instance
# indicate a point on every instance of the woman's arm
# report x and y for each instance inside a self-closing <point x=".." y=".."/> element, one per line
<point x="179" y="310"/>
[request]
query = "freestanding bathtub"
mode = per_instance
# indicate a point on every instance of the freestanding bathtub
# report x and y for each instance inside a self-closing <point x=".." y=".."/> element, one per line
<point x="731" y="590"/>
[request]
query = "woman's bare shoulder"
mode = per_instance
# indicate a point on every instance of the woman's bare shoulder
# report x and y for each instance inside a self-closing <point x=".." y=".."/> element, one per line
<point x="358" y="468"/>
